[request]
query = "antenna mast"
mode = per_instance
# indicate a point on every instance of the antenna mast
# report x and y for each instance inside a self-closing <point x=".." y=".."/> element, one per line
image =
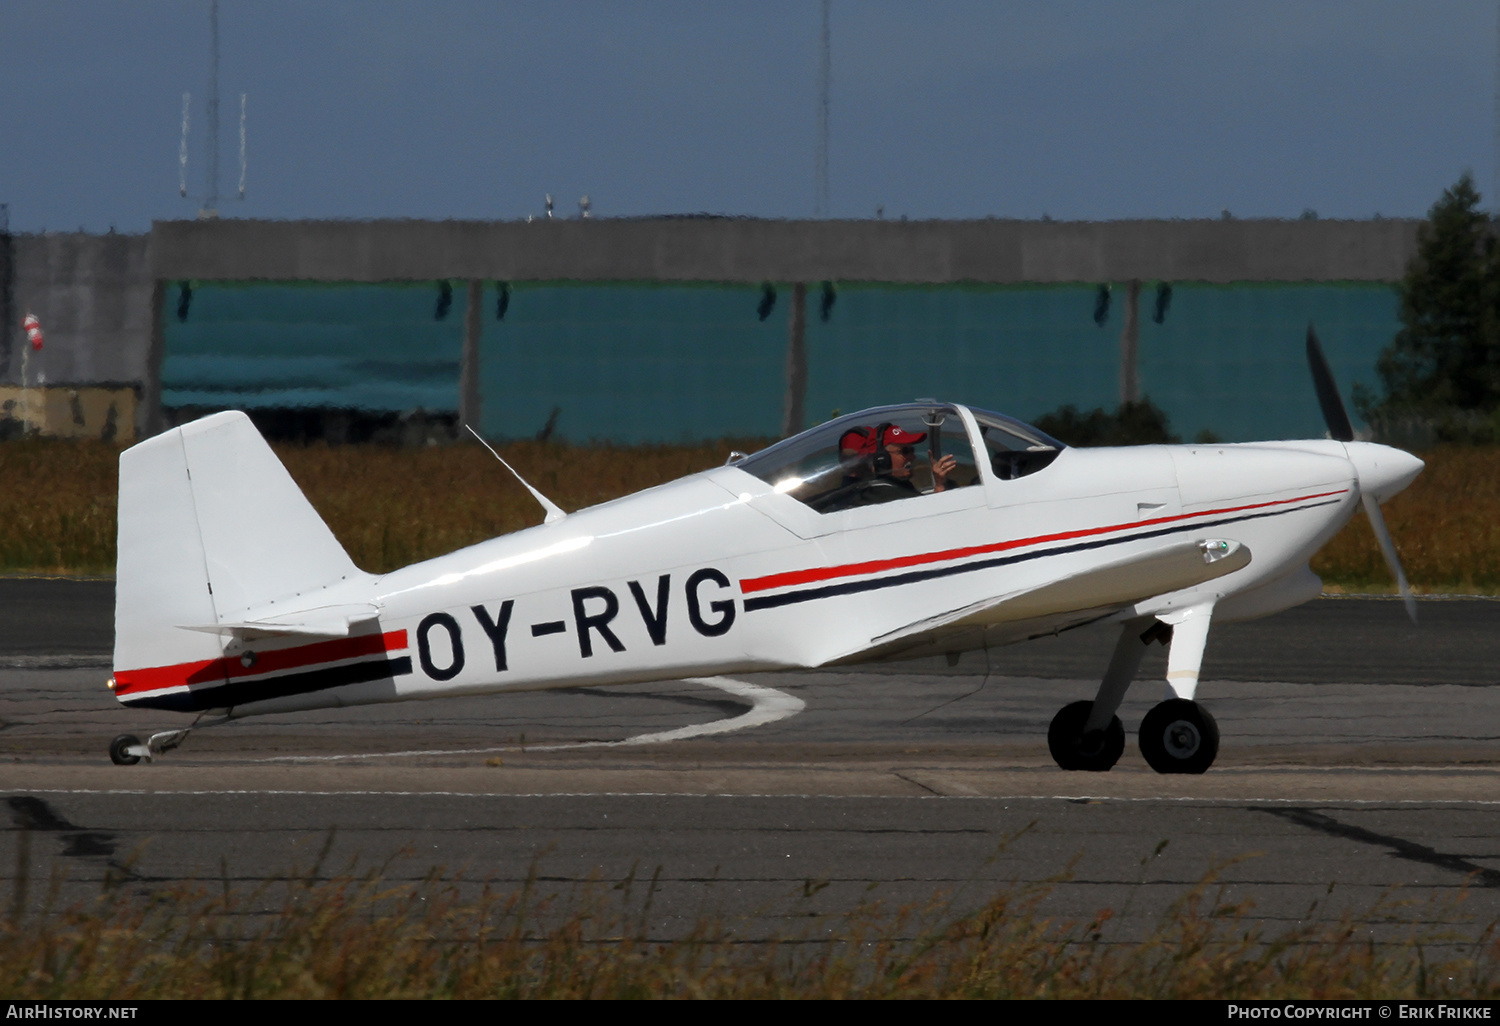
<point x="182" y="152"/>
<point x="242" y="145"/>
<point x="211" y="175"/>
<point x="210" y="207"/>
<point x="825" y="74"/>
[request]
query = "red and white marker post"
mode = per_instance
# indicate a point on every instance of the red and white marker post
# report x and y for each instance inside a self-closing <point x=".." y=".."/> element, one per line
<point x="33" y="328"/>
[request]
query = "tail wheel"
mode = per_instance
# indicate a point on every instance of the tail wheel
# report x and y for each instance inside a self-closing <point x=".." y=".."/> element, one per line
<point x="1179" y="736"/>
<point x="119" y="750"/>
<point x="1073" y="750"/>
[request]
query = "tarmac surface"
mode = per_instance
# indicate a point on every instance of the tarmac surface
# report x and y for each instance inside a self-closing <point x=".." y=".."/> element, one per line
<point x="1358" y="780"/>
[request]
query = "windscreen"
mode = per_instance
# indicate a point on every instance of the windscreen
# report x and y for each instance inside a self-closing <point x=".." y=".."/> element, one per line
<point x="872" y="457"/>
<point x="1015" y="448"/>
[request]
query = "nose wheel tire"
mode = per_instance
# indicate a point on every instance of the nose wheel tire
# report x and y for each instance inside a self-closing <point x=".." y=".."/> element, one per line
<point x="1179" y="736"/>
<point x="119" y="750"/>
<point x="1073" y="750"/>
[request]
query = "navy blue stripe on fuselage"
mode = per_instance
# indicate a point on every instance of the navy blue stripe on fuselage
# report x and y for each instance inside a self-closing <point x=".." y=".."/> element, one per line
<point x="915" y="576"/>
<point x="243" y="692"/>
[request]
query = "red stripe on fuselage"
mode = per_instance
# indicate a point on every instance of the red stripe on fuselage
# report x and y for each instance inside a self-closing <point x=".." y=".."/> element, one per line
<point x="155" y="678"/>
<point x="828" y="573"/>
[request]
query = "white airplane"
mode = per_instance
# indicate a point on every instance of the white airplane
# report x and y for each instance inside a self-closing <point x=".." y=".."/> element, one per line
<point x="896" y="532"/>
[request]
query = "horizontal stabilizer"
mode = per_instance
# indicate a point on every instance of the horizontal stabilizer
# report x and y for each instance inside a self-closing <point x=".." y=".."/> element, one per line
<point x="323" y="621"/>
<point x="1094" y="592"/>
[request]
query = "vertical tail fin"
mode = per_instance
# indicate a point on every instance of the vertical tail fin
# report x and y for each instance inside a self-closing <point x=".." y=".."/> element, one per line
<point x="211" y="529"/>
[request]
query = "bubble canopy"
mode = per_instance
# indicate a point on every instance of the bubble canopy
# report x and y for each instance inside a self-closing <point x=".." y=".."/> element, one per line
<point x="898" y="452"/>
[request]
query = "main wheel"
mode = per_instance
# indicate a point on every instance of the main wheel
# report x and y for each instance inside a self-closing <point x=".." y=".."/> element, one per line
<point x="1179" y="736"/>
<point x="1073" y="750"/>
<point x="119" y="750"/>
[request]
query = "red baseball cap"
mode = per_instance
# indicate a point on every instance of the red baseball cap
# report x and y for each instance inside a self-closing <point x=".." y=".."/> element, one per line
<point x="860" y="440"/>
<point x="895" y="434"/>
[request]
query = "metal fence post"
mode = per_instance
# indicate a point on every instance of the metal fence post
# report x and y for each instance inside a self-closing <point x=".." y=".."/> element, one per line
<point x="792" y="415"/>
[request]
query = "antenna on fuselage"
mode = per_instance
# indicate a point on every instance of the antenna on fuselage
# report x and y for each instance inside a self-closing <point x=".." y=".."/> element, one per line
<point x="554" y="512"/>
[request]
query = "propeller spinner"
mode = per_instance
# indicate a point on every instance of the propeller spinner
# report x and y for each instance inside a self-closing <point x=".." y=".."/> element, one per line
<point x="1339" y="427"/>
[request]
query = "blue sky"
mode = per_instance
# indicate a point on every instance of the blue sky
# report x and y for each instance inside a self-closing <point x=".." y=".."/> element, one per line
<point x="457" y="108"/>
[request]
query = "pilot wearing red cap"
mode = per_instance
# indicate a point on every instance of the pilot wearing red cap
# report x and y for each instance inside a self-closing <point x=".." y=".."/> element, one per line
<point x="900" y="448"/>
<point x="877" y="466"/>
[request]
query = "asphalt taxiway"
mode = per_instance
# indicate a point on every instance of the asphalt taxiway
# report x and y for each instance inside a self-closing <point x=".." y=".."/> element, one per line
<point x="1358" y="776"/>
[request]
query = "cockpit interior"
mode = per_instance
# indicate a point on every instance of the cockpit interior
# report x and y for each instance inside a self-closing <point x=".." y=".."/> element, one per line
<point x="892" y="453"/>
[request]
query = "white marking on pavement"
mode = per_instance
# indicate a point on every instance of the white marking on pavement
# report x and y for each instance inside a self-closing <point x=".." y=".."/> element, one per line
<point x="1313" y="803"/>
<point x="767" y="705"/>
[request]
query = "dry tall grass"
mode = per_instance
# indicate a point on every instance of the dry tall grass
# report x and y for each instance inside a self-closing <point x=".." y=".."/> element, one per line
<point x="57" y="506"/>
<point x="391" y="507"/>
<point x="1446" y="527"/>
<point x="361" y="938"/>
<point x="388" y="506"/>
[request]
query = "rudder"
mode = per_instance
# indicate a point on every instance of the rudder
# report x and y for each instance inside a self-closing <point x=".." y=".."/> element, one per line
<point x="212" y="529"/>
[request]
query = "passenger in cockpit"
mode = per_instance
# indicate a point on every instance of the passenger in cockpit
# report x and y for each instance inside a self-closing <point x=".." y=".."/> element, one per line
<point x="855" y="448"/>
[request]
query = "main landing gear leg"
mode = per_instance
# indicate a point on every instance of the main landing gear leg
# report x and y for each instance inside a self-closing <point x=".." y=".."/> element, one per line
<point x="127" y="749"/>
<point x="1088" y="735"/>
<point x="1179" y="735"/>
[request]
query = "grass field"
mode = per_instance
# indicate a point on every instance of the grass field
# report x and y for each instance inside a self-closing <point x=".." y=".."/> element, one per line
<point x="388" y="506"/>
<point x="391" y="506"/>
<point x="359" y="937"/>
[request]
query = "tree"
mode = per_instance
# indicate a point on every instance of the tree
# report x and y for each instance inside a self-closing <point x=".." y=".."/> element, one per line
<point x="1441" y="373"/>
<point x="1133" y="423"/>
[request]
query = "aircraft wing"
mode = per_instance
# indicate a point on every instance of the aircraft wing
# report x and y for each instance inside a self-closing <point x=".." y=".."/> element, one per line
<point x="1067" y="601"/>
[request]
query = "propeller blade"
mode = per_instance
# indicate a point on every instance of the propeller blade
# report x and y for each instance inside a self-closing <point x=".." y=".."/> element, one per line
<point x="1334" y="414"/>
<point x="1388" y="549"/>
<point x="1337" y="419"/>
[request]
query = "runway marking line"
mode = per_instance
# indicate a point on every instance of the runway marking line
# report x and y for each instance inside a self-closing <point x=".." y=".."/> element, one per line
<point x="767" y="705"/>
<point x="1312" y="802"/>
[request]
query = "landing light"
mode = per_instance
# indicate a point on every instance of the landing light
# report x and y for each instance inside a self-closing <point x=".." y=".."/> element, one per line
<point x="1214" y="549"/>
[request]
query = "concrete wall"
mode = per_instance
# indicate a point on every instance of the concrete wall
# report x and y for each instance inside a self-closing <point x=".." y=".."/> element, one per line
<point x="100" y="298"/>
<point x="70" y="412"/>
<point x="746" y="250"/>
<point x="92" y="294"/>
